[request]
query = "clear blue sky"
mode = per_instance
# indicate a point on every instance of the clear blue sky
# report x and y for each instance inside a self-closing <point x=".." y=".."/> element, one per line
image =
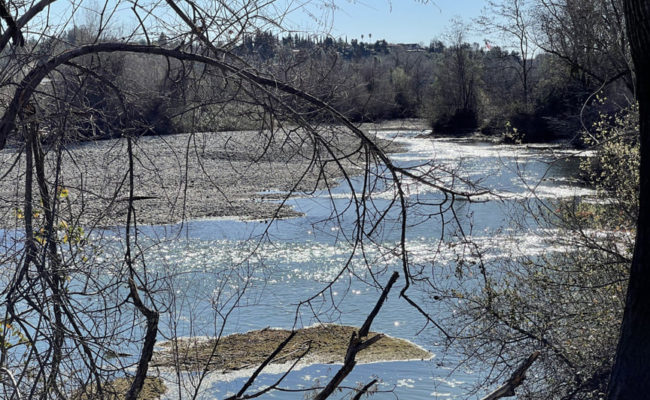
<point x="397" y="21"/>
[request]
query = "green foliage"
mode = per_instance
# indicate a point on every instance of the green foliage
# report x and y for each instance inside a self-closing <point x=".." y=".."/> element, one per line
<point x="614" y="169"/>
<point x="11" y="336"/>
<point x="511" y="134"/>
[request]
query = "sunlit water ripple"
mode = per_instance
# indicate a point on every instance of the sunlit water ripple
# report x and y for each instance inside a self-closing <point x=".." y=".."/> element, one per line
<point x="213" y="259"/>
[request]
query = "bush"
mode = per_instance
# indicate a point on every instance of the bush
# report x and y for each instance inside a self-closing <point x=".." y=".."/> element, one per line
<point x="614" y="171"/>
<point x="521" y="127"/>
<point x="496" y="126"/>
<point x="532" y="126"/>
<point x="460" y="122"/>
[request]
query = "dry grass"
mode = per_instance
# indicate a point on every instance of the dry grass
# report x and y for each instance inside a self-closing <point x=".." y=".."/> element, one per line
<point x="153" y="388"/>
<point x="327" y="344"/>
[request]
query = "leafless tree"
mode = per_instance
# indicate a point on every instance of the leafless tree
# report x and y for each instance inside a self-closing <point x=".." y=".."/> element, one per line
<point x="512" y="22"/>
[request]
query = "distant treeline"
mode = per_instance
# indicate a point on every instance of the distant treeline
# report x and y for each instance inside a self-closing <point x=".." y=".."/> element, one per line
<point x="459" y="87"/>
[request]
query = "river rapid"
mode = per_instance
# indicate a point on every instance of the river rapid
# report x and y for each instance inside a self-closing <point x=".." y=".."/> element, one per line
<point x="283" y="264"/>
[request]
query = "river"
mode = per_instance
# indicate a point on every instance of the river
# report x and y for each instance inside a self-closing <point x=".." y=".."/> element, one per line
<point x="293" y="259"/>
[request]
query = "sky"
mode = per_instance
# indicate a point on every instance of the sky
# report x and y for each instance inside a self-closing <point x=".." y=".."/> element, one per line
<point x="396" y="21"/>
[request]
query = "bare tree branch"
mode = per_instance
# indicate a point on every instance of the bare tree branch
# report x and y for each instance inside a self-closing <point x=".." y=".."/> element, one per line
<point x="516" y="379"/>
<point x="357" y="343"/>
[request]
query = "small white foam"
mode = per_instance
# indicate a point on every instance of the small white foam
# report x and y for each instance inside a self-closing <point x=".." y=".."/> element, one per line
<point x="407" y="382"/>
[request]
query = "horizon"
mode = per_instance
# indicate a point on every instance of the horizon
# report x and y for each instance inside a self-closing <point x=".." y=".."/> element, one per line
<point x="409" y="22"/>
<point x="406" y="22"/>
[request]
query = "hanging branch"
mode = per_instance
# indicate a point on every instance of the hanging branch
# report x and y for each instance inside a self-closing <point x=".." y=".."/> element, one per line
<point x="29" y="84"/>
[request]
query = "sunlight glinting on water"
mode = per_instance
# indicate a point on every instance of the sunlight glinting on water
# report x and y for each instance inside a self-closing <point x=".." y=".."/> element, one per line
<point x="280" y="273"/>
<point x="290" y="262"/>
<point x="475" y="161"/>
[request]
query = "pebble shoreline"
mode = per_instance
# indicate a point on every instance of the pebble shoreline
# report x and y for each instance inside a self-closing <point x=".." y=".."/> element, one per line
<point x="243" y="174"/>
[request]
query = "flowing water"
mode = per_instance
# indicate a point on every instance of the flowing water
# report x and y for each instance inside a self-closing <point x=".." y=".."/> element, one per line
<point x="295" y="258"/>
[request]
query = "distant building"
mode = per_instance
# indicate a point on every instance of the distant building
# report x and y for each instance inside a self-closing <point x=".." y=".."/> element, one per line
<point x="409" y="47"/>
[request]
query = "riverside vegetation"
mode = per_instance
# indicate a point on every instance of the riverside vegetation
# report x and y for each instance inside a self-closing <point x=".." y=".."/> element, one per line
<point x="459" y="87"/>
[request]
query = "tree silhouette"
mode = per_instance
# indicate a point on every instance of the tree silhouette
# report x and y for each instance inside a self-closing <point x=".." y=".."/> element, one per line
<point x="629" y="378"/>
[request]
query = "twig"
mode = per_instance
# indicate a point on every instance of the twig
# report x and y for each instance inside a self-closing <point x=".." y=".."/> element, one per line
<point x="262" y="365"/>
<point x="364" y="389"/>
<point x="13" y="382"/>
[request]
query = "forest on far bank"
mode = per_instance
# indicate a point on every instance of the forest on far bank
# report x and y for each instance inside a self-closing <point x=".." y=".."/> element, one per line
<point x="537" y="85"/>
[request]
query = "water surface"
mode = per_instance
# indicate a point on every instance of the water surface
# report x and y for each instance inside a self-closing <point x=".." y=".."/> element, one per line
<point x="290" y="261"/>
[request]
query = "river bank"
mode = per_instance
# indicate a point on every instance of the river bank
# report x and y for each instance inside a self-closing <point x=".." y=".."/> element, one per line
<point x="244" y="174"/>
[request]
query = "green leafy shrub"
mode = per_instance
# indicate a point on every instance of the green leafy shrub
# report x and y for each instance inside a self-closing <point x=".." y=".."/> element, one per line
<point x="615" y="168"/>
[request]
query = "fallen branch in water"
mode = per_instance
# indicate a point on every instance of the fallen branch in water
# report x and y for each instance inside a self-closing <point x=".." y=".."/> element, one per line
<point x="357" y="343"/>
<point x="516" y="379"/>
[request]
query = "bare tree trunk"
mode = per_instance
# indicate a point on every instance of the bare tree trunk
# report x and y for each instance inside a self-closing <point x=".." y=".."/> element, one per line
<point x="152" y="316"/>
<point x="630" y="377"/>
